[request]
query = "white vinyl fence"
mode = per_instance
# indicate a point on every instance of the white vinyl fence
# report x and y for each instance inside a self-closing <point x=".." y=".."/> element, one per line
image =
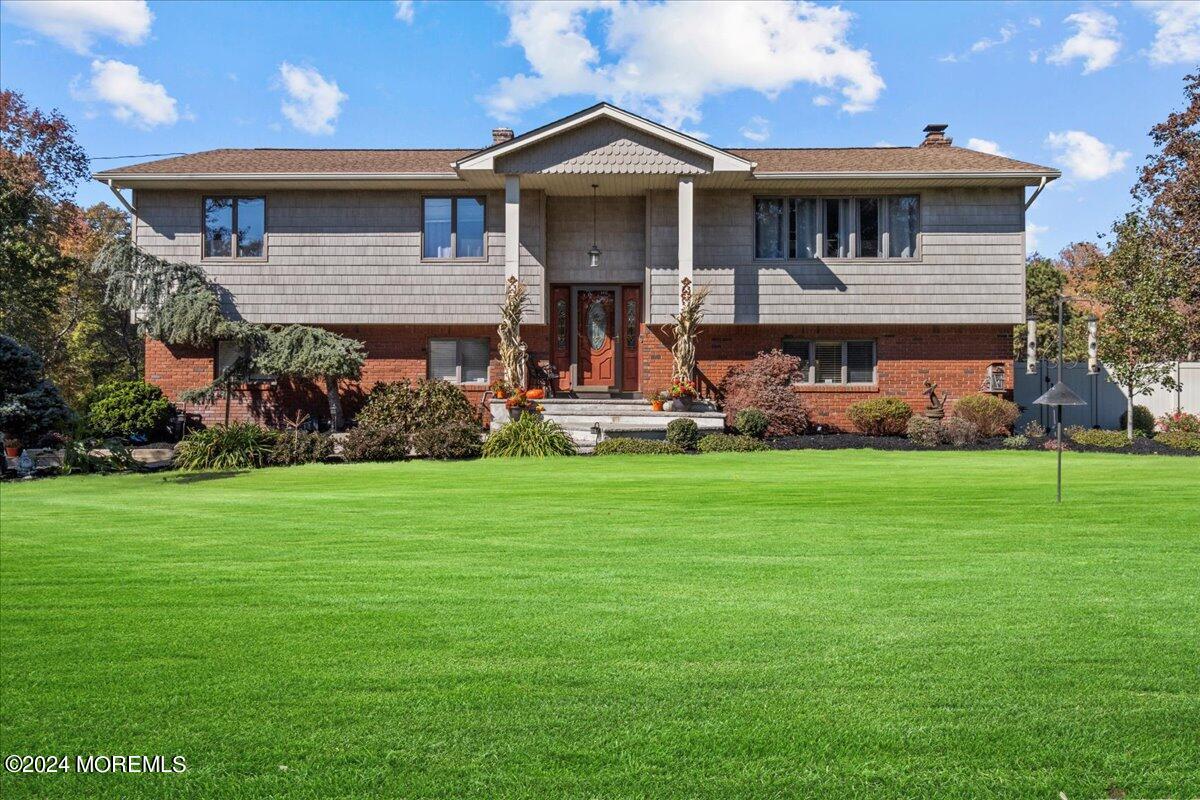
<point x="1105" y="400"/>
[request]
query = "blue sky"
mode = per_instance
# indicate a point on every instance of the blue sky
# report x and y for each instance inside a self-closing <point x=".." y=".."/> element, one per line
<point x="1072" y="85"/>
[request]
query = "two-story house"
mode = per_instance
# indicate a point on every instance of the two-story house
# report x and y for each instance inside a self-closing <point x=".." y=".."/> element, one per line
<point x="880" y="267"/>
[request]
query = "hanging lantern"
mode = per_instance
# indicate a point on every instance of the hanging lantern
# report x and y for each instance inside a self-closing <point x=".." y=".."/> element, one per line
<point x="594" y="253"/>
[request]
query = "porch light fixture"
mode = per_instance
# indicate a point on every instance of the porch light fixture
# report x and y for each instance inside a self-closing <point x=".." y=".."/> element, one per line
<point x="594" y="253"/>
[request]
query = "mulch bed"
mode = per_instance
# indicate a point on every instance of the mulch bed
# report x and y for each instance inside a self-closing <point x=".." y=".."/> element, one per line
<point x="1142" y="446"/>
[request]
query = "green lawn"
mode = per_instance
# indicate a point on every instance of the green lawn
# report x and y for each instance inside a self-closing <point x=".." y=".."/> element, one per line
<point x="804" y="624"/>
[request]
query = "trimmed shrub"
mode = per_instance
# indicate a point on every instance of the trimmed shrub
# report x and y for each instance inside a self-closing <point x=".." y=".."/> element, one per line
<point x="1018" y="442"/>
<point x="530" y="436"/>
<point x="1095" y="437"/>
<point x="924" y="432"/>
<point x="1179" y="421"/>
<point x="730" y="443"/>
<point x="766" y="384"/>
<point x="629" y="446"/>
<point x="455" y="439"/>
<point x="751" y="422"/>
<point x="389" y="405"/>
<point x="1035" y="429"/>
<point x="991" y="415"/>
<point x="683" y="433"/>
<point x="238" y="445"/>
<point x="1179" y="440"/>
<point x="1143" y="420"/>
<point x="959" y="432"/>
<point x="880" y="416"/>
<point x="301" y="447"/>
<point x="126" y="408"/>
<point x="376" y="443"/>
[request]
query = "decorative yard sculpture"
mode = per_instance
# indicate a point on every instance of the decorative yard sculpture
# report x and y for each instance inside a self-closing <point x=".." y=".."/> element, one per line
<point x="936" y="407"/>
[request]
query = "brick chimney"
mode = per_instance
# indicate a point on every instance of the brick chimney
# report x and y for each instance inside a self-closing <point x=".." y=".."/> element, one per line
<point x="935" y="136"/>
<point x="501" y="135"/>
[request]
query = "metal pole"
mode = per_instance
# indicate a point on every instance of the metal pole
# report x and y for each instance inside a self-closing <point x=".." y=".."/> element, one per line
<point x="1058" y="409"/>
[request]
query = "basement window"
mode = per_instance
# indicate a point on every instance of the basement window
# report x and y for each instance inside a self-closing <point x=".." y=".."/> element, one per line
<point x="458" y="360"/>
<point x="834" y="362"/>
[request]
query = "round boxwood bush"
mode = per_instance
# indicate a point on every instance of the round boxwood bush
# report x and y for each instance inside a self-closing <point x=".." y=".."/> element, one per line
<point x="629" y="446"/>
<point x="239" y="445"/>
<point x="683" y="433"/>
<point x="530" y="436"/>
<point x="730" y="443"/>
<point x="751" y="422"/>
<point x="1143" y="420"/>
<point x="126" y="408"/>
<point x="991" y="415"/>
<point x="880" y="416"/>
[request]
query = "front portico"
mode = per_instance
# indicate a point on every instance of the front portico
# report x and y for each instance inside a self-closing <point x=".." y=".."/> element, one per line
<point x="602" y="178"/>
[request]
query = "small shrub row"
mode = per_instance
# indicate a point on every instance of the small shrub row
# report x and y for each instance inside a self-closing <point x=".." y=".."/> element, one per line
<point x="301" y="447"/>
<point x="880" y="416"/>
<point x="1094" y="437"/>
<point x="1179" y="440"/>
<point x="629" y="446"/>
<point x="730" y="443"/>
<point x="751" y="422"/>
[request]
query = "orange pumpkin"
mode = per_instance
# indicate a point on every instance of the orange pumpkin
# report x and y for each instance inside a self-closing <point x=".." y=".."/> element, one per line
<point x="535" y="394"/>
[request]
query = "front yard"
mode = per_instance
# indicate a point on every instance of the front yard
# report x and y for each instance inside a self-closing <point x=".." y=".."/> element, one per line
<point x="785" y="624"/>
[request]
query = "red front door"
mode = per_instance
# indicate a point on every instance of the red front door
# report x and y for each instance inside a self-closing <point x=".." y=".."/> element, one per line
<point x="597" y="350"/>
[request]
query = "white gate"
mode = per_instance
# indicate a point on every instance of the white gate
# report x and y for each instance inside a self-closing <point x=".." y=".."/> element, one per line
<point x="1105" y="400"/>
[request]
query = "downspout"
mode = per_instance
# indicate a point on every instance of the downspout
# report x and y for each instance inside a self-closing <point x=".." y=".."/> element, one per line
<point x="1036" y="192"/>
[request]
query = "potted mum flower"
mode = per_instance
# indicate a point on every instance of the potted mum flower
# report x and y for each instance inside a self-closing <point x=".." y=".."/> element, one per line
<point x="655" y="397"/>
<point x="683" y="392"/>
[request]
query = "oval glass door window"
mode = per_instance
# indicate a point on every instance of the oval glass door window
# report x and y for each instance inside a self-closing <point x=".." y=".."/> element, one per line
<point x="597" y="325"/>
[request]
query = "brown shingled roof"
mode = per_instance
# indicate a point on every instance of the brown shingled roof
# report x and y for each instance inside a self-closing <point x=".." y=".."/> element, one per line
<point x="881" y="159"/>
<point x="267" y="161"/>
<point x="350" y="162"/>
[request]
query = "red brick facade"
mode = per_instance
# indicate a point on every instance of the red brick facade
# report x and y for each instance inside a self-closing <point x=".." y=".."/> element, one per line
<point x="956" y="357"/>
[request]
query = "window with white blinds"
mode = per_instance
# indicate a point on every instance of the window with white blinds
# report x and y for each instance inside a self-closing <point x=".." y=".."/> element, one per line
<point x="788" y="228"/>
<point x="833" y="362"/>
<point x="458" y="360"/>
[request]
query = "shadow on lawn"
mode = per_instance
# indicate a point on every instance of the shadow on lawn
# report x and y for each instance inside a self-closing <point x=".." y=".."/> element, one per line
<point x="197" y="477"/>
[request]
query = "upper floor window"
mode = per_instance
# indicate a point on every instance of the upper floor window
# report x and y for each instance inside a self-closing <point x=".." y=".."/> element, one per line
<point x="234" y="227"/>
<point x="452" y="227"/>
<point x="836" y="227"/>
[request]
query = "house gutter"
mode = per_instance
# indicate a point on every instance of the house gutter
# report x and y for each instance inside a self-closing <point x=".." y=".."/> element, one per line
<point x="1043" y="177"/>
<point x="110" y="177"/>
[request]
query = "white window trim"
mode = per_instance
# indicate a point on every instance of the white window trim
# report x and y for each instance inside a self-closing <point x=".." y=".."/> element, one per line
<point x="458" y="359"/>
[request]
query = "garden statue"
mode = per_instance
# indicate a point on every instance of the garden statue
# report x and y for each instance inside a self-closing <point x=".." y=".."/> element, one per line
<point x="936" y="408"/>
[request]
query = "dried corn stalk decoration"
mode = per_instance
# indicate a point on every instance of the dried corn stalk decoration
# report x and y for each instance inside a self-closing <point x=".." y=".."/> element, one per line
<point x="685" y="330"/>
<point x="512" y="349"/>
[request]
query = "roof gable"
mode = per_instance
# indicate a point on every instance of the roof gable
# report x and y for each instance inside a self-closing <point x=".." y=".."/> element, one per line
<point x="643" y="140"/>
<point x="605" y="146"/>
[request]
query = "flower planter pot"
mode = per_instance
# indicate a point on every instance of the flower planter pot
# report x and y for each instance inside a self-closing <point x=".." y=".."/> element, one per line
<point x="12" y="450"/>
<point x="515" y="413"/>
<point x="656" y="405"/>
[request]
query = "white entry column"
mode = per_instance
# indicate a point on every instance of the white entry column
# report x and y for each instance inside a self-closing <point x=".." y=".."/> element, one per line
<point x="512" y="228"/>
<point x="686" y="191"/>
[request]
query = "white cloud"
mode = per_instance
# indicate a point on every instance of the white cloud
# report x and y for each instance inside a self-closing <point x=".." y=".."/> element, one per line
<point x="404" y="10"/>
<point x="822" y="100"/>
<point x="1095" y="41"/>
<point x="758" y="129"/>
<point x="1032" y="233"/>
<point x="132" y="98"/>
<point x="1177" y="40"/>
<point x="78" y="23"/>
<point x="1086" y="157"/>
<point x="985" y="146"/>
<point x="664" y="59"/>
<point x="1007" y="32"/>
<point x="314" y="102"/>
